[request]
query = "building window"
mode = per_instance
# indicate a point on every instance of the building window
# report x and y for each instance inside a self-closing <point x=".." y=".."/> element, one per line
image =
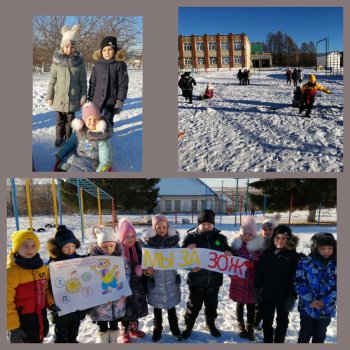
<point x="167" y="205"/>
<point x="200" y="47"/>
<point x="238" y="60"/>
<point x="194" y="206"/>
<point x="224" y="46"/>
<point x="213" y="60"/>
<point x="187" y="47"/>
<point x="212" y="46"/>
<point x="225" y="60"/>
<point x="200" y="60"/>
<point x="177" y="206"/>
<point x="188" y="61"/>
<point x="238" y="46"/>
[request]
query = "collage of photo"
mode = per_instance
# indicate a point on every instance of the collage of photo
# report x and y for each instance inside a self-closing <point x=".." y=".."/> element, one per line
<point x="239" y="245"/>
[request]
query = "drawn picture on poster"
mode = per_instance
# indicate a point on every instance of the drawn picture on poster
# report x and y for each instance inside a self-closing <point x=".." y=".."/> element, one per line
<point x="82" y="283"/>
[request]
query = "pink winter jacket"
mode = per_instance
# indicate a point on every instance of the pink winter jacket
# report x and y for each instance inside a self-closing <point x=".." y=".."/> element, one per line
<point x="242" y="290"/>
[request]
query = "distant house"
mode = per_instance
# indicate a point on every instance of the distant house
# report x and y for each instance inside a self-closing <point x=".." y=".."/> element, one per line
<point x="187" y="196"/>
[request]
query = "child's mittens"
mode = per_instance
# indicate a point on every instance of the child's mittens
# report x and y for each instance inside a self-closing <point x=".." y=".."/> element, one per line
<point x="138" y="270"/>
<point x="49" y="103"/>
<point x="151" y="283"/>
<point x="178" y="279"/>
<point x="53" y="316"/>
<point x="328" y="91"/>
<point x="17" y="335"/>
<point x="118" y="107"/>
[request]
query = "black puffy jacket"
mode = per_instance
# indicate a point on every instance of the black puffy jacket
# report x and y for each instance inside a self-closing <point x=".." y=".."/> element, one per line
<point x="186" y="84"/>
<point x="210" y="240"/>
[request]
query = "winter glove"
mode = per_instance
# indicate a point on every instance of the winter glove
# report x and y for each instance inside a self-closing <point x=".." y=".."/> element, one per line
<point x="258" y="295"/>
<point x="17" y="335"/>
<point x="289" y="303"/>
<point x="151" y="283"/>
<point x="178" y="279"/>
<point x="118" y="107"/>
<point x="53" y="316"/>
<point x="328" y="91"/>
<point x="138" y="270"/>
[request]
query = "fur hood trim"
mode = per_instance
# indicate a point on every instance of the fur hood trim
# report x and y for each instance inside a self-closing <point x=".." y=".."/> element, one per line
<point x="151" y="232"/>
<point x="52" y="248"/>
<point x="254" y="244"/>
<point x="119" y="56"/>
<point x="292" y="243"/>
<point x="78" y="124"/>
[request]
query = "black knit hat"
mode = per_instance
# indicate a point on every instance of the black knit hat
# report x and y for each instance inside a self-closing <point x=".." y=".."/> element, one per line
<point x="322" y="239"/>
<point x="206" y="216"/>
<point x="282" y="229"/>
<point x="109" y="41"/>
<point x="64" y="236"/>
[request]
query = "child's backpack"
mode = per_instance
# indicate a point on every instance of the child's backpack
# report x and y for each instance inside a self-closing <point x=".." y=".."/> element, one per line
<point x="297" y="97"/>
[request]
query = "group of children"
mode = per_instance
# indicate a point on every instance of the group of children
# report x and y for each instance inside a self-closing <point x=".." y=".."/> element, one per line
<point x="88" y="149"/>
<point x="276" y="275"/>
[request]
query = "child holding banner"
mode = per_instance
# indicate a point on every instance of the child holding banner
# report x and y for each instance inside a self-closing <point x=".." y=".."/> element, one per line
<point x="204" y="285"/>
<point x="136" y="304"/>
<point x="247" y="245"/>
<point x="106" y="315"/>
<point x="62" y="247"/>
<point x="274" y="282"/>
<point x="27" y="290"/>
<point x="164" y="285"/>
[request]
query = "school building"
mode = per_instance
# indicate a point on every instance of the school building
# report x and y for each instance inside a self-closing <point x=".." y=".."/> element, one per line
<point x="214" y="52"/>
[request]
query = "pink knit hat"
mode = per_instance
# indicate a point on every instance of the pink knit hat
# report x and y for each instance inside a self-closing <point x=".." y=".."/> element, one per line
<point x="89" y="108"/>
<point x="248" y="225"/>
<point x="157" y="218"/>
<point x="124" y="227"/>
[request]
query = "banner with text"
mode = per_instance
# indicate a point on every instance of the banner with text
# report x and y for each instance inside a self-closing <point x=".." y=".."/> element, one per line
<point x="79" y="284"/>
<point x="183" y="258"/>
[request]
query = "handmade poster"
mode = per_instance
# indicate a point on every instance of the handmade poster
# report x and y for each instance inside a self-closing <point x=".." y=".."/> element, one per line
<point x="182" y="258"/>
<point x="79" y="284"/>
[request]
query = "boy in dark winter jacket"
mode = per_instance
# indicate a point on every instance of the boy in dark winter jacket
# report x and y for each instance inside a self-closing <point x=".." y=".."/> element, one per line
<point x="28" y="292"/>
<point x="204" y="285"/>
<point x="109" y="80"/>
<point x="316" y="284"/>
<point x="63" y="247"/>
<point x="186" y="84"/>
<point x="274" y="282"/>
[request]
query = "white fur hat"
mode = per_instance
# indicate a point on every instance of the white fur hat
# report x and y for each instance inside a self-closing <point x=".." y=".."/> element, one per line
<point x="104" y="234"/>
<point x="271" y="221"/>
<point x="69" y="36"/>
<point x="248" y="225"/>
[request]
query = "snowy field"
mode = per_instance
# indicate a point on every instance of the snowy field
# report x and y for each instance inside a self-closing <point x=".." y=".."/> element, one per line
<point x="255" y="127"/>
<point x="226" y="320"/>
<point x="126" y="140"/>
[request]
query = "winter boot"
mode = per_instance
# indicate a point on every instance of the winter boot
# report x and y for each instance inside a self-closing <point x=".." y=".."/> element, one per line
<point x="242" y="332"/>
<point x="250" y="330"/>
<point x="213" y="330"/>
<point x="124" y="337"/>
<point x="102" y="337"/>
<point x="134" y="330"/>
<point x="113" y="336"/>
<point x="157" y="333"/>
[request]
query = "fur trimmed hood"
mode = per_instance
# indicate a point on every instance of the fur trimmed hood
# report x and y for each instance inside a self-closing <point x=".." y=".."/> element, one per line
<point x="119" y="56"/>
<point x="292" y="243"/>
<point x="94" y="249"/>
<point x="54" y="250"/>
<point x="62" y="60"/>
<point x="151" y="232"/>
<point x="254" y="244"/>
<point x="103" y="129"/>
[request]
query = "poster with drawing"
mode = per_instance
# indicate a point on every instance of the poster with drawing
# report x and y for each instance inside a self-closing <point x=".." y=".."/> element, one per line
<point x="79" y="284"/>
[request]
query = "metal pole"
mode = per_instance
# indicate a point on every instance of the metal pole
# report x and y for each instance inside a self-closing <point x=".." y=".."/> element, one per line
<point x="14" y="202"/>
<point x="80" y="211"/>
<point x="236" y="202"/>
<point x="29" y="206"/>
<point x="319" y="214"/>
<point x="247" y="194"/>
<point x="264" y="210"/>
<point x="59" y="199"/>
<point x="222" y="200"/>
<point x="290" y="208"/>
<point x="99" y="207"/>
<point x="54" y="199"/>
<point x="113" y="215"/>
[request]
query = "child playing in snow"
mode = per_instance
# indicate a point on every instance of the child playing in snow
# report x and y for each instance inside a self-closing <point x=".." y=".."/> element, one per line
<point x="164" y="285"/>
<point x="247" y="245"/>
<point x="186" y="84"/>
<point x="109" y="79"/>
<point x="89" y="148"/>
<point x="209" y="92"/>
<point x="28" y="293"/>
<point x="66" y="91"/>
<point x="316" y="284"/>
<point x="63" y="247"/>
<point x="136" y="304"/>
<point x="309" y="91"/>
<point x="204" y="285"/>
<point x="274" y="282"/>
<point x="107" y="315"/>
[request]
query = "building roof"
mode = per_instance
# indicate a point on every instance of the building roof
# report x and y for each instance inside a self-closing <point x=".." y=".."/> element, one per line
<point x="184" y="187"/>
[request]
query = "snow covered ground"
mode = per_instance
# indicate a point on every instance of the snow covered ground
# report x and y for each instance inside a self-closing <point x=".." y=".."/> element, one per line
<point x="226" y="320"/>
<point x="255" y="127"/>
<point x="126" y="140"/>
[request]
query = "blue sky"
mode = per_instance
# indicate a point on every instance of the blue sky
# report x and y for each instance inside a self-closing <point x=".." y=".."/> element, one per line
<point x="303" y="24"/>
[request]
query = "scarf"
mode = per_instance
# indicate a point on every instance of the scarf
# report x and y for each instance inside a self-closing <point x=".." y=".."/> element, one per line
<point x="133" y="252"/>
<point x="29" y="264"/>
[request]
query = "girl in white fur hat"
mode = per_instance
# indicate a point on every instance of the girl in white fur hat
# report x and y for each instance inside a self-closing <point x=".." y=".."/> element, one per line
<point x="67" y="87"/>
